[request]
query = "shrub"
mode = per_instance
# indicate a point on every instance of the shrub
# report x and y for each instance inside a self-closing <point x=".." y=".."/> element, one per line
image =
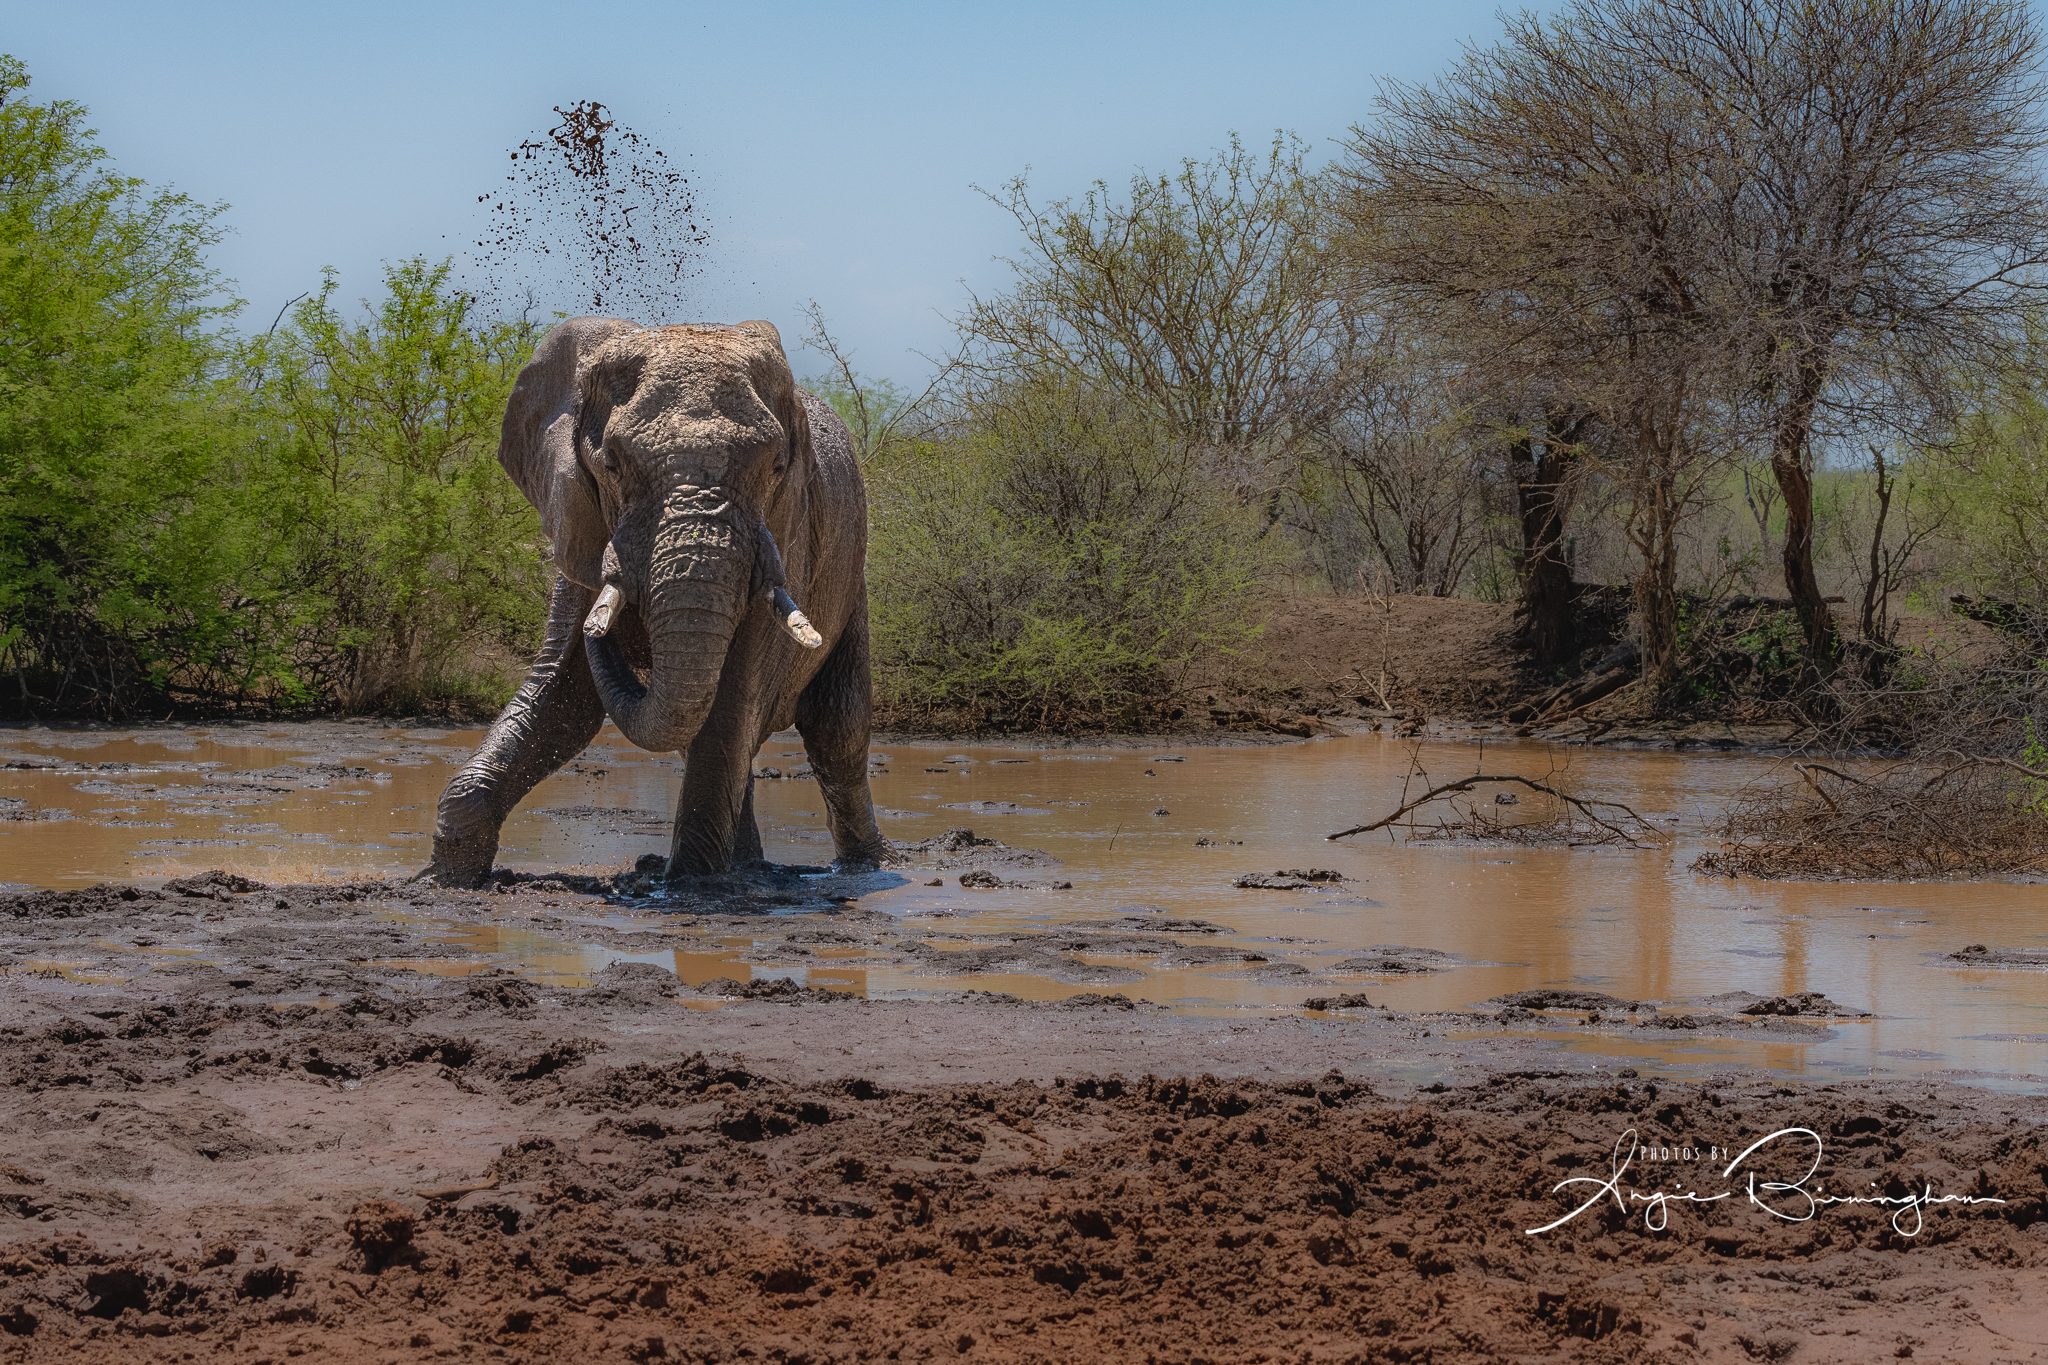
<point x="1046" y="558"/>
<point x="116" y="543"/>
<point x="404" y="570"/>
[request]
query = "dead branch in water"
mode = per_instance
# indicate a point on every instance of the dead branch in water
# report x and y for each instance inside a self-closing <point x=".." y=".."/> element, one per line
<point x="1583" y="805"/>
<point x="1960" y="816"/>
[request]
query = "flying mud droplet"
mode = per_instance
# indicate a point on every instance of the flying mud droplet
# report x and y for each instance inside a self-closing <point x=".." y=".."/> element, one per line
<point x="591" y="217"/>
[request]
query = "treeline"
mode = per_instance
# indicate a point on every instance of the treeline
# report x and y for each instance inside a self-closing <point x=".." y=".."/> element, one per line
<point x="1701" y="330"/>
<point x="1711" y="324"/>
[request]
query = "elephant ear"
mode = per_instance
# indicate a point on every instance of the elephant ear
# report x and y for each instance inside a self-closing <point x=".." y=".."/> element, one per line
<point x="768" y="368"/>
<point x="537" y="445"/>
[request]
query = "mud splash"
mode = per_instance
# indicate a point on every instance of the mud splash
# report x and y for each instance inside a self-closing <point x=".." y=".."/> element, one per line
<point x="598" y="212"/>
<point x="1186" y="879"/>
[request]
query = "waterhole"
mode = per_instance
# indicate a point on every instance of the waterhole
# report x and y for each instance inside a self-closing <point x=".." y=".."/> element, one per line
<point x="1151" y="843"/>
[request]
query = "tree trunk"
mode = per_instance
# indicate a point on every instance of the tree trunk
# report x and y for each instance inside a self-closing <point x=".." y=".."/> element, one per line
<point x="1790" y="442"/>
<point x="1546" y="626"/>
<point x="1656" y="593"/>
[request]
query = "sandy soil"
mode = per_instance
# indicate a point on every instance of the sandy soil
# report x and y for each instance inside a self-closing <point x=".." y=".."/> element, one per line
<point x="273" y="1149"/>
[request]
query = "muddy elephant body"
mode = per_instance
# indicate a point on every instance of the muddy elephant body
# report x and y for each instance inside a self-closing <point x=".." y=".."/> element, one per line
<point x="709" y="531"/>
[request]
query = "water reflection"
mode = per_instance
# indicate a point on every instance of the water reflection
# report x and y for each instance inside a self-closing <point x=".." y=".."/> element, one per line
<point x="1140" y="833"/>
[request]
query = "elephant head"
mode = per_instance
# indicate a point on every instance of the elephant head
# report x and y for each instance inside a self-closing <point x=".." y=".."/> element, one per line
<point x="659" y="459"/>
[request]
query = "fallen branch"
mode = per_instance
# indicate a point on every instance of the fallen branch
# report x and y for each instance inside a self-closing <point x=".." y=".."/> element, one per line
<point x="1572" y="696"/>
<point x="1583" y="806"/>
<point x="1954" y="817"/>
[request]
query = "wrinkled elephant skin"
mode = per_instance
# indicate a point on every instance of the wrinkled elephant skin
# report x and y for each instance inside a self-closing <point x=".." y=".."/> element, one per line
<point x="709" y="531"/>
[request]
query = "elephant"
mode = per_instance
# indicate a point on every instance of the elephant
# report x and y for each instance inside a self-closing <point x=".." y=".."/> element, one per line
<point x="709" y="529"/>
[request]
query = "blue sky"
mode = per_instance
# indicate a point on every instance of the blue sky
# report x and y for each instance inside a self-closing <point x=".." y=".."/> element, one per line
<point x="834" y="146"/>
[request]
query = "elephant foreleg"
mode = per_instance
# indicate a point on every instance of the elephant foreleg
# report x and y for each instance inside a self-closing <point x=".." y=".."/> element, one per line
<point x="833" y="717"/>
<point x="746" y="832"/>
<point x="552" y="718"/>
<point x="715" y="829"/>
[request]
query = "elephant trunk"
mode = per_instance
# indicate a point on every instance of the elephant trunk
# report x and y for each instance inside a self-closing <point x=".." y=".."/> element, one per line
<point x="697" y="570"/>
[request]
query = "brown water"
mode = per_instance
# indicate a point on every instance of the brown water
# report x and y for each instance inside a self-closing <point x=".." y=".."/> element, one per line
<point x="287" y="802"/>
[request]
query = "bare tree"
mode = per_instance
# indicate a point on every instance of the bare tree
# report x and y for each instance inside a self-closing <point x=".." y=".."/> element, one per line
<point x="1877" y="213"/>
<point x="1406" y="456"/>
<point x="1198" y="297"/>
<point x="1544" y="208"/>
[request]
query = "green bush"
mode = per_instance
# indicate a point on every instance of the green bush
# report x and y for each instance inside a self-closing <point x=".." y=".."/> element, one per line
<point x="1048" y="559"/>
<point x="118" y="549"/>
<point x="403" y="570"/>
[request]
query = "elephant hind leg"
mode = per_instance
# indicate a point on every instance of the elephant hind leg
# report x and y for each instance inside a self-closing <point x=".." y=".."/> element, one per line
<point x="833" y="716"/>
<point x="552" y="718"/>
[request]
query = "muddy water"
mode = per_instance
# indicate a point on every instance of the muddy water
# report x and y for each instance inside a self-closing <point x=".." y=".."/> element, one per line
<point x="1143" y="835"/>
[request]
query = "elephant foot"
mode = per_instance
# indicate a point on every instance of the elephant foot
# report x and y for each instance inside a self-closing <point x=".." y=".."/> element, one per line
<point x="460" y="865"/>
<point x="866" y="857"/>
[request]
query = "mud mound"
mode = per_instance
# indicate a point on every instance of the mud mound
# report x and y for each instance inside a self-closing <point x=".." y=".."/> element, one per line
<point x="1353" y="1001"/>
<point x="1809" y="1003"/>
<point x="1393" y="959"/>
<point x="774" y="988"/>
<point x="213" y="886"/>
<point x="963" y="850"/>
<point x="981" y="879"/>
<point x="1555" y="999"/>
<point x="1981" y="955"/>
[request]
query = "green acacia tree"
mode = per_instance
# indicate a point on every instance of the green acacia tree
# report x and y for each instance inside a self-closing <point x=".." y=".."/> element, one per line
<point x="117" y="541"/>
<point x="403" y="568"/>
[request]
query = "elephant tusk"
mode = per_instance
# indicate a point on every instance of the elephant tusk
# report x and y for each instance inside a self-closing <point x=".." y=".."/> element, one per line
<point x="793" y="619"/>
<point x="600" y="619"/>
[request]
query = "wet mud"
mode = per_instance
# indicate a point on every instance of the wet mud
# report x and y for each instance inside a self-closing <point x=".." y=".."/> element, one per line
<point x="279" y="1145"/>
<point x="1067" y="1079"/>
